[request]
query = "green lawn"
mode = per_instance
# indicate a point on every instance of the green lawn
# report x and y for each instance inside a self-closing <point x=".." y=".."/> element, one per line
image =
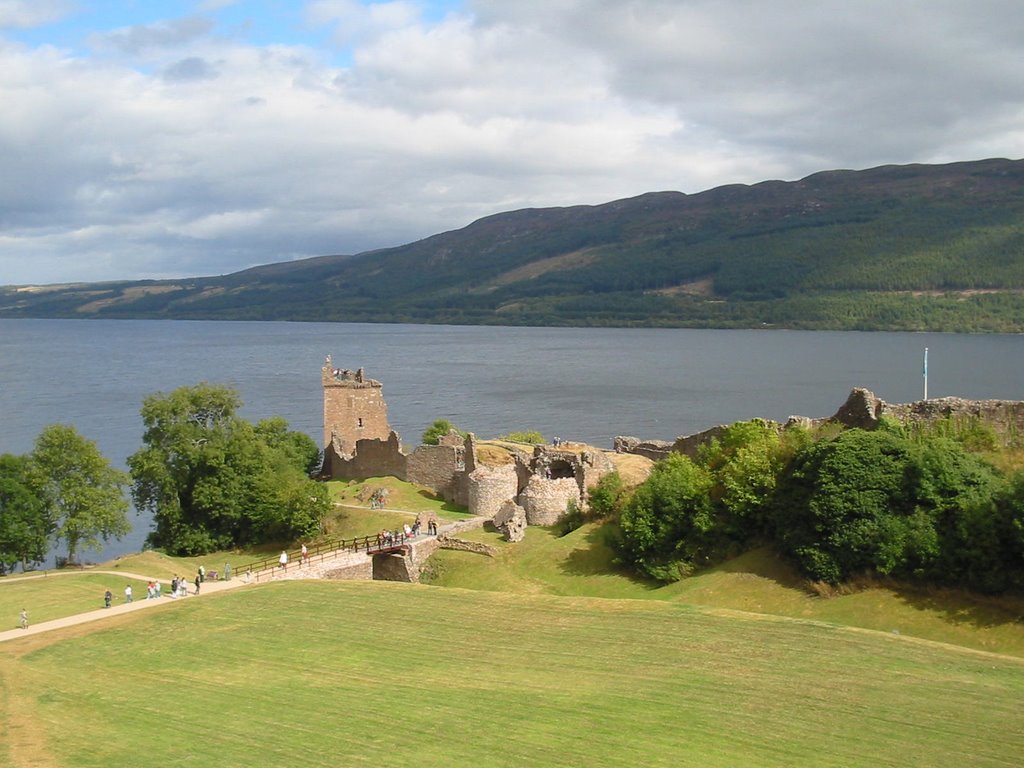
<point x="581" y="564"/>
<point x="378" y="674"/>
<point x="61" y="594"/>
<point x="402" y="496"/>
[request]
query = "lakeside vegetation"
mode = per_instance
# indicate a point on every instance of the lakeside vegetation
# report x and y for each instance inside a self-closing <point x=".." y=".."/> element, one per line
<point x="897" y="248"/>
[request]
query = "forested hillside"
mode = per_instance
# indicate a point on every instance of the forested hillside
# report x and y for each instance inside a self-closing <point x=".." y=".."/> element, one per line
<point x="898" y="247"/>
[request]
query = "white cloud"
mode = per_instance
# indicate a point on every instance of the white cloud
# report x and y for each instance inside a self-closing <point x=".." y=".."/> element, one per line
<point x="176" y="151"/>
<point x="26" y="14"/>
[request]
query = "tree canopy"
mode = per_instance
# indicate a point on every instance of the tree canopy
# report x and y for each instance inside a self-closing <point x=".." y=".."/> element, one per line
<point x="212" y="480"/>
<point x="25" y="521"/>
<point x="83" y="493"/>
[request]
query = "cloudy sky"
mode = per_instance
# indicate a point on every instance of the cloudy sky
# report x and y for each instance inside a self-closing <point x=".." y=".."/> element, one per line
<point x="189" y="137"/>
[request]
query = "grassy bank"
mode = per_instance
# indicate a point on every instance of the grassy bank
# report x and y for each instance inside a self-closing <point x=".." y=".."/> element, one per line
<point x="581" y="564"/>
<point x="385" y="674"/>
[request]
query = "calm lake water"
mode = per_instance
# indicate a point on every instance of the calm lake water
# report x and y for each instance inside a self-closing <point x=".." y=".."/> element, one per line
<point x="576" y="383"/>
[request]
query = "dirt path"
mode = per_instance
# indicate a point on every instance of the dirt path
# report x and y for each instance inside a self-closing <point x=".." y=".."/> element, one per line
<point x="116" y="610"/>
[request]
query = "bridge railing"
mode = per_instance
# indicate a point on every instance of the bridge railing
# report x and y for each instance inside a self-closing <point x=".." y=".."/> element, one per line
<point x="323" y="550"/>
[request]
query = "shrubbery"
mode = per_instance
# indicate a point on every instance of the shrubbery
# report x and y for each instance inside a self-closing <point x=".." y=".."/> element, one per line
<point x="888" y="501"/>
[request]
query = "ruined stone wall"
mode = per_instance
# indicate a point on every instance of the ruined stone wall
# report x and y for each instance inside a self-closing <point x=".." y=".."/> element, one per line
<point x="371" y="458"/>
<point x="393" y="567"/>
<point x="354" y="409"/>
<point x="1005" y="417"/>
<point x="438" y="467"/>
<point x="490" y="487"/>
<point x="655" y="450"/>
<point x="862" y="410"/>
<point x="545" y="500"/>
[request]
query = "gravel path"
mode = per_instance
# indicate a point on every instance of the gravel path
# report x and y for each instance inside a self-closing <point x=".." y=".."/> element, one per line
<point x="115" y="610"/>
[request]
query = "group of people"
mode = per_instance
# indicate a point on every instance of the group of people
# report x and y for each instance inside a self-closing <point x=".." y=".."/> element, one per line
<point x="387" y="538"/>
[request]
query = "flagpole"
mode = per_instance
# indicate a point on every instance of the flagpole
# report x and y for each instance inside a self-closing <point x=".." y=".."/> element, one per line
<point x="925" y="372"/>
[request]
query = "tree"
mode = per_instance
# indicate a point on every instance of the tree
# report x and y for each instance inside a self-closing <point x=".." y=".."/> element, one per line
<point x="212" y="480"/>
<point x="437" y="430"/>
<point x="668" y="526"/>
<point x="745" y="463"/>
<point x="25" y="523"/>
<point x="82" y="491"/>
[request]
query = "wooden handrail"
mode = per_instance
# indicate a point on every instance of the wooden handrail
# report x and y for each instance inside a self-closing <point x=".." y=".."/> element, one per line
<point x="368" y="544"/>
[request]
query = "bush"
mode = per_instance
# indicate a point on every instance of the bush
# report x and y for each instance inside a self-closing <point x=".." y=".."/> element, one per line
<point x="667" y="529"/>
<point x="532" y="437"/>
<point x="441" y="427"/>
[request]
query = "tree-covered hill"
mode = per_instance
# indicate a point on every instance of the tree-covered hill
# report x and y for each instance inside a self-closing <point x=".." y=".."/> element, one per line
<point x="919" y="247"/>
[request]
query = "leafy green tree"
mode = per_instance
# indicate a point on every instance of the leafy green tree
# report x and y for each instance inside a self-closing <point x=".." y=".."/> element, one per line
<point x="25" y="523"/>
<point x="744" y="461"/>
<point x="608" y="497"/>
<point x="441" y="427"/>
<point x="298" y="448"/>
<point x="212" y="480"/>
<point x="83" y="492"/>
<point x="668" y="526"/>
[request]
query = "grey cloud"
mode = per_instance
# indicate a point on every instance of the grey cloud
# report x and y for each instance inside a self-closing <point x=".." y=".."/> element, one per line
<point x="139" y="39"/>
<point x="190" y="69"/>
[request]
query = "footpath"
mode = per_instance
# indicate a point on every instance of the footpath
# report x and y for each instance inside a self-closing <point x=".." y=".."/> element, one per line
<point x="297" y="571"/>
<point x="117" y="609"/>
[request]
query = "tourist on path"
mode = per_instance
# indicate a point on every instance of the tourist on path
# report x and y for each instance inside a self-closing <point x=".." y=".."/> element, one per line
<point x="283" y="560"/>
<point x="108" y="598"/>
<point x="305" y="555"/>
<point x="198" y="582"/>
<point x="23" y="619"/>
<point x="202" y="573"/>
<point x="127" y="593"/>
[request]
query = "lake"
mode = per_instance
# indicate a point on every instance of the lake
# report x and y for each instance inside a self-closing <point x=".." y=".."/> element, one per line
<point x="587" y="384"/>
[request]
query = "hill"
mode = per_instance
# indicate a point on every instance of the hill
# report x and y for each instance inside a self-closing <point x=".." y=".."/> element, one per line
<point x="916" y="247"/>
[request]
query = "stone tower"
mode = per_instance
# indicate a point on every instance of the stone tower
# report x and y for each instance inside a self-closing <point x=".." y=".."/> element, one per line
<point x="354" y="409"/>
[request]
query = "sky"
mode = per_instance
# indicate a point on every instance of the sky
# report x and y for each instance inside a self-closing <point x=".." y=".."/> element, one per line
<point x="180" y="138"/>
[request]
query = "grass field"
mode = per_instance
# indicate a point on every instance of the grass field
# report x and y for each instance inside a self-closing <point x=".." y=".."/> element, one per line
<point x="581" y="564"/>
<point x="61" y="594"/>
<point x="349" y="674"/>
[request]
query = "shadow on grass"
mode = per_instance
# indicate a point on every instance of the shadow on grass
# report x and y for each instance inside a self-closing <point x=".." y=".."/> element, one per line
<point x="961" y="607"/>
<point x="597" y="558"/>
<point x="446" y="506"/>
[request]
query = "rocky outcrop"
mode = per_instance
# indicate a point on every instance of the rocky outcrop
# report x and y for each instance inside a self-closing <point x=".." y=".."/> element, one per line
<point x="462" y="545"/>
<point x="511" y="521"/>
<point x="861" y="410"/>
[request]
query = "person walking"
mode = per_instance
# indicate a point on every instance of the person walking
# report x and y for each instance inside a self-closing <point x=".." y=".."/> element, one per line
<point x="108" y="598"/>
<point x="283" y="560"/>
<point x="198" y="582"/>
<point x="23" y="619"/>
<point x="127" y="593"/>
<point x="305" y="555"/>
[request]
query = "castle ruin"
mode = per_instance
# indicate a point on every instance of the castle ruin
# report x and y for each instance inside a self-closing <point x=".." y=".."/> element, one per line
<point x="354" y="409"/>
<point x="541" y="480"/>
